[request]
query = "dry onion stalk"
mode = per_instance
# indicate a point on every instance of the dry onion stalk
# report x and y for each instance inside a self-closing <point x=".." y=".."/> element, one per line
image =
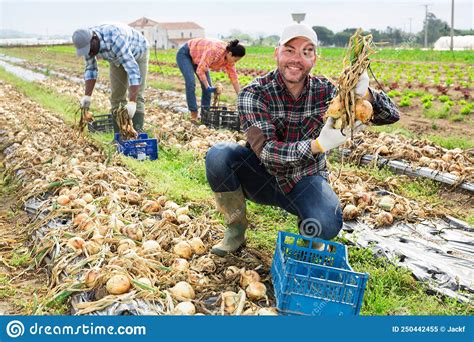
<point x="124" y="123"/>
<point x="345" y="108"/>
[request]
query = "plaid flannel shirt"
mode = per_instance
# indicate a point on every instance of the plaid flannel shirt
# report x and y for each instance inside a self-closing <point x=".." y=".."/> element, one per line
<point x="280" y="128"/>
<point x="210" y="54"/>
<point x="120" y="45"/>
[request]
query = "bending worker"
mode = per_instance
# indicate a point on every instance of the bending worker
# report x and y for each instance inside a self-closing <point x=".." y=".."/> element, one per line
<point x="200" y="55"/>
<point x="284" y="161"/>
<point x="126" y="50"/>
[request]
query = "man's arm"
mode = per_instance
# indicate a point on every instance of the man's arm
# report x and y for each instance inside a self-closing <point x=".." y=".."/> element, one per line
<point x="90" y="75"/>
<point x="385" y="111"/>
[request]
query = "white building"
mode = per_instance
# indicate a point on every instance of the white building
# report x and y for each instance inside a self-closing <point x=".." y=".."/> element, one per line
<point x="167" y="35"/>
<point x="459" y="43"/>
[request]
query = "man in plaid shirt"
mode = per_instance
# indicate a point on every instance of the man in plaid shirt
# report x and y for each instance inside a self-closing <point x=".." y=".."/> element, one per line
<point x="126" y="50"/>
<point x="284" y="161"/>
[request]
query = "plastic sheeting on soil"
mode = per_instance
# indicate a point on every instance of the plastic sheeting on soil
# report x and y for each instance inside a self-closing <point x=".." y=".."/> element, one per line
<point x="23" y="73"/>
<point x="438" y="252"/>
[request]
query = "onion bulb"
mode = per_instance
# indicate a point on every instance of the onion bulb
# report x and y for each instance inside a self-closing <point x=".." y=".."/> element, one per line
<point x="184" y="309"/>
<point x="183" y="249"/>
<point x="231" y="272"/>
<point x="149" y="206"/>
<point x="183" y="219"/>
<point x="76" y="243"/>
<point x="169" y="215"/>
<point x="91" y="277"/>
<point x="92" y="247"/>
<point x="171" y="205"/>
<point x="383" y="219"/>
<point x="182" y="211"/>
<point x="162" y="200"/>
<point x="197" y="245"/>
<point x="63" y="200"/>
<point x="118" y="284"/>
<point x="363" y="110"/>
<point x="267" y="312"/>
<point x="182" y="291"/>
<point x="180" y="264"/>
<point x="335" y="108"/>
<point x="204" y="264"/>
<point x="231" y="300"/>
<point x="80" y="218"/>
<point x="150" y="245"/>
<point x="87" y="197"/>
<point x="386" y="203"/>
<point x="256" y="290"/>
<point x="125" y="245"/>
<point x="247" y="277"/>
<point x="350" y="212"/>
<point x="132" y="197"/>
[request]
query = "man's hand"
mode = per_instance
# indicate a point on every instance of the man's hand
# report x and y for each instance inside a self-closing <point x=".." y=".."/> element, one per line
<point x="330" y="137"/>
<point x="131" y="109"/>
<point x="211" y="89"/>
<point x="85" y="102"/>
<point x="362" y="86"/>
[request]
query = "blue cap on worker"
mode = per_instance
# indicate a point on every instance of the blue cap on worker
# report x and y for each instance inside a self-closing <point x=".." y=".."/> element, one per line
<point x="81" y="39"/>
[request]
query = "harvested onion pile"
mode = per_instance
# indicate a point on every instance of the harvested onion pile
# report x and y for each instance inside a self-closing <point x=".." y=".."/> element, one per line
<point x="345" y="108"/>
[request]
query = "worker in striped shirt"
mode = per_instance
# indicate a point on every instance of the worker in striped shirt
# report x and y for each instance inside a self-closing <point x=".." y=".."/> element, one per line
<point x="126" y="50"/>
<point x="284" y="161"/>
<point x="200" y="55"/>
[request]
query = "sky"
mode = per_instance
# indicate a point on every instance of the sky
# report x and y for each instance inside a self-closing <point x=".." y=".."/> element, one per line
<point x="258" y="17"/>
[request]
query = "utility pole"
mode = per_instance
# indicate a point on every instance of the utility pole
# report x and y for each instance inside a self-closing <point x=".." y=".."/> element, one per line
<point x="426" y="26"/>
<point x="452" y="25"/>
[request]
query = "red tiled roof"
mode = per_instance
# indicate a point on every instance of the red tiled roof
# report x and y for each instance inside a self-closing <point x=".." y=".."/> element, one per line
<point x="188" y="25"/>
<point x="143" y="22"/>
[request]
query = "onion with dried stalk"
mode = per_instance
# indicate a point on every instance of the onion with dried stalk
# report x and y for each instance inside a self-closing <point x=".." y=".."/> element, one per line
<point x="350" y="212"/>
<point x="345" y="108"/>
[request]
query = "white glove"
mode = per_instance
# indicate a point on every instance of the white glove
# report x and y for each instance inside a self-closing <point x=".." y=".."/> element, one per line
<point x="85" y="101"/>
<point x="330" y="137"/>
<point x="362" y="86"/>
<point x="131" y="109"/>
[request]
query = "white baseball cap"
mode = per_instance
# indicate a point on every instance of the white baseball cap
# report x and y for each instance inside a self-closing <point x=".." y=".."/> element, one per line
<point x="298" y="30"/>
<point x="82" y="41"/>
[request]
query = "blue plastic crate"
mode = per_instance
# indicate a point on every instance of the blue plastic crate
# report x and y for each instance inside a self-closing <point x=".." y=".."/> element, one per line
<point x="141" y="148"/>
<point x="101" y="123"/>
<point x="308" y="281"/>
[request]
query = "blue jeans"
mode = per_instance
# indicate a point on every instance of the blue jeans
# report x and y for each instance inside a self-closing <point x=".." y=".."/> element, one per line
<point x="229" y="165"/>
<point x="188" y="69"/>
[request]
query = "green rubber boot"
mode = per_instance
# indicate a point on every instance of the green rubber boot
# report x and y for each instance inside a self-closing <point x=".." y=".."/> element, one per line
<point x="138" y="120"/>
<point x="232" y="206"/>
